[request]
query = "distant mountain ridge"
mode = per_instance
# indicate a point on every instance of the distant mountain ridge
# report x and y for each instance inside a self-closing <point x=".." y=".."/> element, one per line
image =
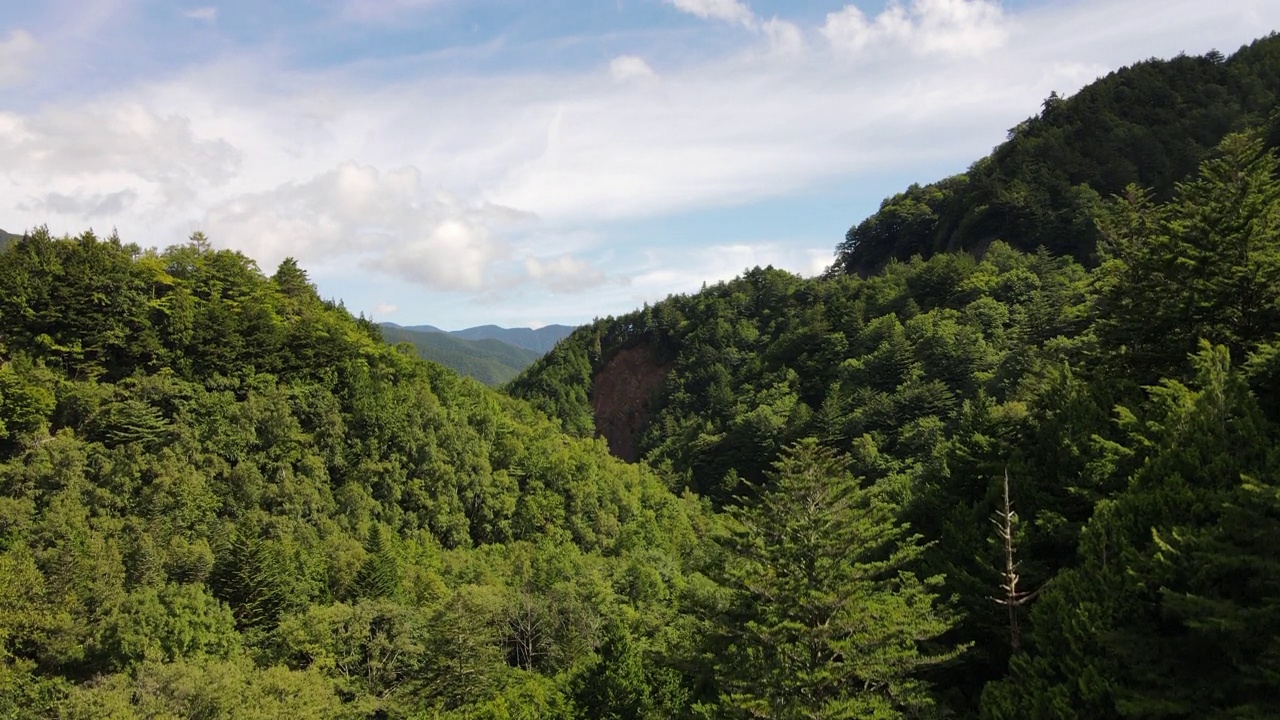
<point x="539" y="340"/>
<point x="6" y="238"/>
<point x="491" y="354"/>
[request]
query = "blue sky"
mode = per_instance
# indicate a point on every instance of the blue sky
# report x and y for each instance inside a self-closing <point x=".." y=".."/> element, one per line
<point x="460" y="162"/>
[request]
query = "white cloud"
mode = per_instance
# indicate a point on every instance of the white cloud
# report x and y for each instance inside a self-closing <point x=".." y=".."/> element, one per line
<point x="384" y="308"/>
<point x="630" y="67"/>
<point x="784" y="37"/>
<point x="98" y="147"/>
<point x="17" y="53"/>
<point x="203" y="14"/>
<point x="943" y="27"/>
<point x="731" y="11"/>
<point x="564" y="274"/>
<point x="404" y="170"/>
<point x="388" y="222"/>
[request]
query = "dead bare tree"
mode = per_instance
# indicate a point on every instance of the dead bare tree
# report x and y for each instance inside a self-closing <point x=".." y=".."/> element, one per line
<point x="1006" y="521"/>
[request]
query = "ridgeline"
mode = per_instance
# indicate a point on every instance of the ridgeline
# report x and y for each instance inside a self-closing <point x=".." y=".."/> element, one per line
<point x="1016" y="455"/>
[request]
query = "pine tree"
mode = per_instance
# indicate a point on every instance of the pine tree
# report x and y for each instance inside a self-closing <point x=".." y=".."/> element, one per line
<point x="379" y="576"/>
<point x="828" y="621"/>
<point x="1171" y="612"/>
<point x="616" y="686"/>
<point x="1204" y="266"/>
<point x="252" y="577"/>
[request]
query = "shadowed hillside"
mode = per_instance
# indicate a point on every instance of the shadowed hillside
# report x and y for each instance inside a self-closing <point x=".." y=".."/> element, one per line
<point x="1150" y="124"/>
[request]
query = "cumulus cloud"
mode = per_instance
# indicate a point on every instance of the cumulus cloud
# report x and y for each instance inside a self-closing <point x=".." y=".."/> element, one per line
<point x="17" y="52"/>
<point x="630" y="67"/>
<point x="732" y="11"/>
<point x="101" y="144"/>
<point x="384" y="221"/>
<point x="943" y="27"/>
<point x="564" y="274"/>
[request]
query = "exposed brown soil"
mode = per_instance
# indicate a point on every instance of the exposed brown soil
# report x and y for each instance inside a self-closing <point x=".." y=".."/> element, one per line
<point x="622" y="396"/>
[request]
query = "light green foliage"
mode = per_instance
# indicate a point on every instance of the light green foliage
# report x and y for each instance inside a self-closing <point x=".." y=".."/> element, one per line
<point x="228" y="498"/>
<point x="168" y="623"/>
<point x="232" y="689"/>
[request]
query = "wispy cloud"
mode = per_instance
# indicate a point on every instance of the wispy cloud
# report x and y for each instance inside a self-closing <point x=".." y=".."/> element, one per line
<point x="731" y="11"/>
<point x="948" y="27"/>
<point x="515" y="180"/>
<point x="17" y="52"/>
<point x="203" y="14"/>
<point x="564" y="274"/>
<point x="630" y="67"/>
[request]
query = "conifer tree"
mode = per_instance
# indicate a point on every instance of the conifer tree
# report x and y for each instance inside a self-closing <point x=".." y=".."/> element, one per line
<point x="828" y="620"/>
<point x="379" y="576"/>
<point x="1168" y="612"/>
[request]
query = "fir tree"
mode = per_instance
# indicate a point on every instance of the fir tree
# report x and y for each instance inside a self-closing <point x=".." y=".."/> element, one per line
<point x="828" y="621"/>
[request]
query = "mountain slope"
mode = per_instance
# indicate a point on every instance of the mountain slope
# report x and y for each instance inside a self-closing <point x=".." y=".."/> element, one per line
<point x="6" y="238"/>
<point x="223" y="496"/>
<point x="1130" y="408"/>
<point x="492" y="362"/>
<point x="1150" y="124"/>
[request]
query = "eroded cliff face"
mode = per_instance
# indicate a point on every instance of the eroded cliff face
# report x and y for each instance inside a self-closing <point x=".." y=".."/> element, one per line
<point x="622" y="398"/>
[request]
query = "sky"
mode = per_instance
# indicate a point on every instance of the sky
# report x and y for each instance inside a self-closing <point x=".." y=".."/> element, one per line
<point x="464" y="162"/>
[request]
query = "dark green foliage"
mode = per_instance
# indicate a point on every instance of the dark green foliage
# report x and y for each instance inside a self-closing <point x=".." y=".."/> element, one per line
<point x="379" y="576"/>
<point x="1150" y="124"/>
<point x="1151" y="623"/>
<point x="826" y="620"/>
<point x="254" y="578"/>
<point x="1206" y="265"/>
<point x="1137" y="496"/>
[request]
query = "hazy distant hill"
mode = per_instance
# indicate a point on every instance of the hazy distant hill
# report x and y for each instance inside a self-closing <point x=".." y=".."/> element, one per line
<point x="490" y="361"/>
<point x="539" y="341"/>
<point x="6" y="238"/>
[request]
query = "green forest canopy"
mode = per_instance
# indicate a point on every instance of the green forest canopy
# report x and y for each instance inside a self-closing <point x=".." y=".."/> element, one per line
<point x="1132" y="403"/>
<point x="221" y="496"/>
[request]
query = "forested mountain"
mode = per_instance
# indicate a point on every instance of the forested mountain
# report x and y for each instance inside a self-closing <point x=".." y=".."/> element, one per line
<point x="539" y="340"/>
<point x="1119" y="423"/>
<point x="1149" y="124"/>
<point x="492" y="362"/>
<point x="993" y="484"/>
<point x="6" y="238"/>
<point x="221" y="496"/>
